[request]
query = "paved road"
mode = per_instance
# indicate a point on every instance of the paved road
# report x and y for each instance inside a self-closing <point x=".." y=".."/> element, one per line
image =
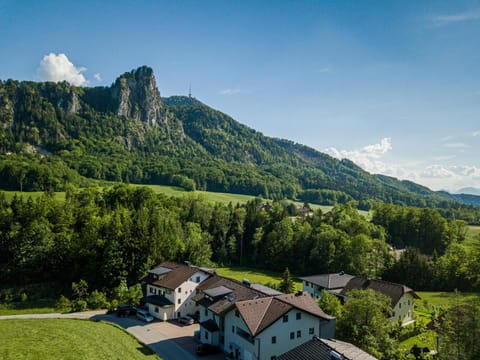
<point x="155" y="335"/>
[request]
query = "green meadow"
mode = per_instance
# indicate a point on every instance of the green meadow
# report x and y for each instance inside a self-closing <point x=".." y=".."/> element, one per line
<point x="68" y="339"/>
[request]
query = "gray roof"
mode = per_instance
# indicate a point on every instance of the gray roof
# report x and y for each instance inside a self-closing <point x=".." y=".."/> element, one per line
<point x="217" y="291"/>
<point x="329" y="281"/>
<point x="321" y="349"/>
<point x="159" y="271"/>
<point x="265" y="289"/>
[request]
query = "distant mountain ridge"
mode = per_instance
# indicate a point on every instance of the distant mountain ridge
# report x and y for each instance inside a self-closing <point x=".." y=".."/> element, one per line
<point x="468" y="191"/>
<point x="128" y="132"/>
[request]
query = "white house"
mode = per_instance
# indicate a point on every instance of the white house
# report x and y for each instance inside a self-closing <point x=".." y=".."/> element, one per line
<point x="215" y="297"/>
<point x="170" y="289"/>
<point x="266" y="327"/>
<point x="401" y="296"/>
<point x="334" y="283"/>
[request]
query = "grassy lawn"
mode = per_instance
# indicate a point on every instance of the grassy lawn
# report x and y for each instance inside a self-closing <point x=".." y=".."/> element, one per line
<point x="68" y="339"/>
<point x="254" y="276"/>
<point x="473" y="230"/>
<point x="41" y="306"/>
<point x="438" y="302"/>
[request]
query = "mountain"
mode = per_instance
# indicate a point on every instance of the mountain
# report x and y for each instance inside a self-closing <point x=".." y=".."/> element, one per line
<point x="468" y="191"/>
<point x="52" y="134"/>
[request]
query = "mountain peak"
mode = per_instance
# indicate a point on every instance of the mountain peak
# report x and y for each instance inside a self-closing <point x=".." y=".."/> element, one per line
<point x="137" y="96"/>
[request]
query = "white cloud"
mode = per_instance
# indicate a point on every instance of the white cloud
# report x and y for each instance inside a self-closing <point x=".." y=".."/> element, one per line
<point x="97" y="77"/>
<point x="457" y="145"/>
<point x="231" y="91"/>
<point x="368" y="157"/>
<point x="436" y="171"/>
<point x="475" y="133"/>
<point x="58" y="68"/>
<point x="442" y="20"/>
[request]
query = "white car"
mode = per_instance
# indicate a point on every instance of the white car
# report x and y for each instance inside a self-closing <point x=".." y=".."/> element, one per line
<point x="144" y="315"/>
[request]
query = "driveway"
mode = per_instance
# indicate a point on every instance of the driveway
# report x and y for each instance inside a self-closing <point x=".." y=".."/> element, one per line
<point x="170" y="340"/>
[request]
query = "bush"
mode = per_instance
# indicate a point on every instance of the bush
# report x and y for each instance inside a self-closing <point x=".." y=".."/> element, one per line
<point x="97" y="300"/>
<point x="79" y="305"/>
<point x="63" y="304"/>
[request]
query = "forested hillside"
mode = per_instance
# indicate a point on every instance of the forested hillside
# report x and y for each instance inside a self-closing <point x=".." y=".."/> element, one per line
<point x="52" y="134"/>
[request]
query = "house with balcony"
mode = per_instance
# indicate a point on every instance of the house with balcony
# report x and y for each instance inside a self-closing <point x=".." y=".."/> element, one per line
<point x="269" y="326"/>
<point x="170" y="288"/>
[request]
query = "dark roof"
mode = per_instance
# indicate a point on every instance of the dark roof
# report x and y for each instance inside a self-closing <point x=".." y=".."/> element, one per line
<point x="178" y="274"/>
<point x="321" y="349"/>
<point x="158" y="300"/>
<point x="329" y="281"/>
<point x="210" y="325"/>
<point x="259" y="314"/>
<point x="392" y="290"/>
<point x="219" y="305"/>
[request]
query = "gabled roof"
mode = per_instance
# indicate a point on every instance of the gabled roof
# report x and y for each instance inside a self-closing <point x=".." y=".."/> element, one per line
<point x="170" y="275"/>
<point x="321" y="349"/>
<point x="259" y="314"/>
<point x="239" y="292"/>
<point x="393" y="290"/>
<point x="329" y="281"/>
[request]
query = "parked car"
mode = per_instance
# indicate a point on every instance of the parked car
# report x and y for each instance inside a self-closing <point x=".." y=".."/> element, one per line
<point x="144" y="315"/>
<point x="126" y="310"/>
<point x="186" y="320"/>
<point x="207" y="349"/>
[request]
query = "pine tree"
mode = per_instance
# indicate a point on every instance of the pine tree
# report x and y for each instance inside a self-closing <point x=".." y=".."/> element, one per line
<point x="286" y="285"/>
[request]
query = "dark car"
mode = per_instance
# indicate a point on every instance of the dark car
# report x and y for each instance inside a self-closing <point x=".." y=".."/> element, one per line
<point x="126" y="310"/>
<point x="186" y="320"/>
<point x="207" y="349"/>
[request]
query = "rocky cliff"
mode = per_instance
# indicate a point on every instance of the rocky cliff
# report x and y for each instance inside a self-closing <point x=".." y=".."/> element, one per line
<point x="136" y="95"/>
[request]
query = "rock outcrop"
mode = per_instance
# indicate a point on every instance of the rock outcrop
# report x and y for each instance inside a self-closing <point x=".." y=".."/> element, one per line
<point x="136" y="95"/>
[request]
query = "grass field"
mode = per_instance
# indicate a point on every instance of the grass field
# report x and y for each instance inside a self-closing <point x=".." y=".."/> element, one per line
<point x="68" y="339"/>
<point x="255" y="276"/>
<point x="42" y="306"/>
<point x="434" y="302"/>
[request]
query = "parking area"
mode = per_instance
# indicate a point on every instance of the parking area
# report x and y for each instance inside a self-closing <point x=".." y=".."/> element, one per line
<point x="170" y="339"/>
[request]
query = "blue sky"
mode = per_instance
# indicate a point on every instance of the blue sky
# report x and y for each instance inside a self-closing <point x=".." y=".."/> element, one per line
<point x="392" y="85"/>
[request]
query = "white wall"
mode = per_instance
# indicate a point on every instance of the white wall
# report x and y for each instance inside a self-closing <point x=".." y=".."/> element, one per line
<point x="281" y="330"/>
<point x="403" y="310"/>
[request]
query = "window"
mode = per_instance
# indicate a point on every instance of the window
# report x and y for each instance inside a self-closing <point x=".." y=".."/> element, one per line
<point x="307" y="283"/>
<point x="179" y="290"/>
<point x="179" y="301"/>
<point x="233" y="329"/>
<point x="299" y="333"/>
<point x="206" y="312"/>
<point x="399" y="305"/>
<point x="156" y="309"/>
<point x="393" y="313"/>
<point x="197" y="279"/>
<point x="292" y="335"/>
<point x="311" y="331"/>
<point x="299" y="315"/>
<point x="285" y="318"/>
<point x="206" y="335"/>
<point x="408" y="302"/>
<point x="222" y="339"/>
<point x="274" y="339"/>
<point x="151" y="290"/>
<point x="237" y="314"/>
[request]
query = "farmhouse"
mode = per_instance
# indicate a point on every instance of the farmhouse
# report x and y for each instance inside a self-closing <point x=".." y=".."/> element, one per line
<point x="170" y="288"/>
<point x="334" y="283"/>
<point x="249" y="321"/>
<point x="401" y="296"/>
